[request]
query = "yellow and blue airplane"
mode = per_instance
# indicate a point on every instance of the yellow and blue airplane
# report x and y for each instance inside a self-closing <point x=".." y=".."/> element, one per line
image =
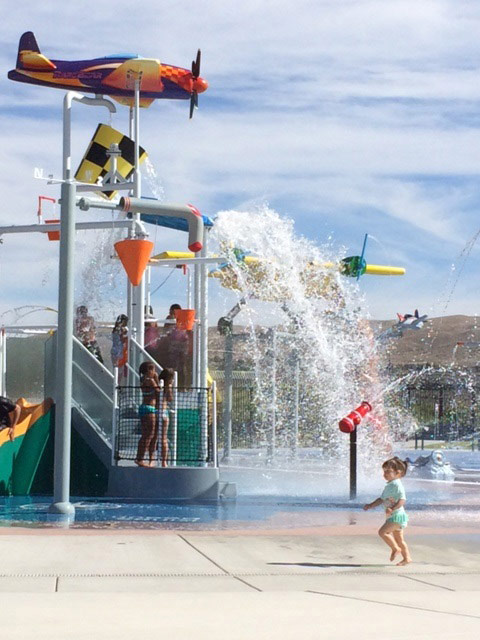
<point x="114" y="75"/>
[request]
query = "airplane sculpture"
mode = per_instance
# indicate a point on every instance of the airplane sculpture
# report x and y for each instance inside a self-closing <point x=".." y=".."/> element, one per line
<point x="114" y="75"/>
<point x="405" y="321"/>
<point x="410" y="321"/>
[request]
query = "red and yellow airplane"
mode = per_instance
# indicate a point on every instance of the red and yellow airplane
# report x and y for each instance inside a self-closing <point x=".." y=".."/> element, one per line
<point x="114" y="75"/>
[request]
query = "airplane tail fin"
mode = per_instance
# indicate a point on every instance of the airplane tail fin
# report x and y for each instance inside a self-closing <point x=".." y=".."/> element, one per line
<point x="416" y="313"/>
<point x="29" y="56"/>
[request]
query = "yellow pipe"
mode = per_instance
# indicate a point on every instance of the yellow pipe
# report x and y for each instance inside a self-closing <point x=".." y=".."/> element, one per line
<point x="371" y="269"/>
<point x="173" y="255"/>
<point x="380" y="270"/>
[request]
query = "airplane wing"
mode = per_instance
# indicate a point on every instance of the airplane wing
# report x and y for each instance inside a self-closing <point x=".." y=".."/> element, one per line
<point x="414" y="324"/>
<point x="146" y="70"/>
<point x="128" y="102"/>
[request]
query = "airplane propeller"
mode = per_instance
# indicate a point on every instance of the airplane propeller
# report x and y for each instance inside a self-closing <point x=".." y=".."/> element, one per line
<point x="195" y="76"/>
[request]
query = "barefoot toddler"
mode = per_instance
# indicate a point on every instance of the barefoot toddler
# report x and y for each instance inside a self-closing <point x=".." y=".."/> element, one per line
<point x="393" y="498"/>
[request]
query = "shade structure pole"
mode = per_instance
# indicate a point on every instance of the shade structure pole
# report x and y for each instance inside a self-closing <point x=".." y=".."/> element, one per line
<point x="63" y="389"/>
<point x="138" y="292"/>
<point x="203" y="314"/>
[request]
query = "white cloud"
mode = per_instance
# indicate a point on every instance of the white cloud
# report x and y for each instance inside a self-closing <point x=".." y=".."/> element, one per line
<point x="342" y="113"/>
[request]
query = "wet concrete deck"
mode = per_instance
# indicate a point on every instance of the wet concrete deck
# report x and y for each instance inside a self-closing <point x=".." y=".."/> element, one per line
<point x="310" y="582"/>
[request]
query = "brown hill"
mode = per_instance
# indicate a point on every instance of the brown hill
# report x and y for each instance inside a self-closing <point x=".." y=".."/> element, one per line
<point x="435" y="344"/>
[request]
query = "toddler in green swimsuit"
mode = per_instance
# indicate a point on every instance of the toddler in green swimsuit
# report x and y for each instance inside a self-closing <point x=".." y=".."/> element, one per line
<point x="393" y="498"/>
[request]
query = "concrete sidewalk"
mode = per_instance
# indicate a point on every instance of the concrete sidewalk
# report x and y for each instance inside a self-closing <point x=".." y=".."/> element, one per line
<point x="99" y="584"/>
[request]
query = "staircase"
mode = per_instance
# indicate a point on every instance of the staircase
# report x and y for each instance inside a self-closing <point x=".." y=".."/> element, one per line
<point x="93" y="417"/>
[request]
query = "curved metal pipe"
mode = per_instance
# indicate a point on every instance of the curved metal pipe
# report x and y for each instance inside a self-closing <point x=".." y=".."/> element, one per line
<point x="187" y="212"/>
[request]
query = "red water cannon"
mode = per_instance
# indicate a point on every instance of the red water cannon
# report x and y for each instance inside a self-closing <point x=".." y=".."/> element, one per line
<point x="350" y="422"/>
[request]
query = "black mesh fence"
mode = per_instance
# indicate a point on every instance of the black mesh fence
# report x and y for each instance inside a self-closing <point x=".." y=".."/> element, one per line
<point x="179" y="433"/>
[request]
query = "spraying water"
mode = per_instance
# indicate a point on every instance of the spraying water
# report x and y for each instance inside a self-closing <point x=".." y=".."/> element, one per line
<point x="101" y="281"/>
<point x="318" y="358"/>
<point x="153" y="180"/>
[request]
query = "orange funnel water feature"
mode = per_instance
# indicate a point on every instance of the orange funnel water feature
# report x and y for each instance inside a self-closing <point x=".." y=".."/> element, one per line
<point x="134" y="254"/>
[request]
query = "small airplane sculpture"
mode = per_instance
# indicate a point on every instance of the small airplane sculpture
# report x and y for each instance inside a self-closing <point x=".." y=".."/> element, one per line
<point x="115" y="75"/>
<point x="410" y="321"/>
<point x="405" y="322"/>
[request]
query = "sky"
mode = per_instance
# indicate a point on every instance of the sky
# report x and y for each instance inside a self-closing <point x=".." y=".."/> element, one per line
<point x="349" y="117"/>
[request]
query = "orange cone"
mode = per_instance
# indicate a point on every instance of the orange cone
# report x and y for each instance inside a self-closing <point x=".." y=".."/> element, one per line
<point x="134" y="254"/>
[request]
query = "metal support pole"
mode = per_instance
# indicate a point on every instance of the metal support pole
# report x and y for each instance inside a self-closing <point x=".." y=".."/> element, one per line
<point x="296" y="407"/>
<point x="189" y="287"/>
<point x="271" y="433"/>
<point x="196" y="329"/>
<point x="63" y="397"/>
<point x="138" y="293"/>
<point x="131" y="233"/>
<point x="214" y="425"/>
<point x="137" y="188"/>
<point x="228" y="397"/>
<point x="204" y="317"/>
<point x="175" y="420"/>
<point x="204" y="347"/>
<point x="353" y="464"/>
<point x="115" y="411"/>
<point x="67" y="122"/>
<point x="3" y="362"/>
<point x="148" y="300"/>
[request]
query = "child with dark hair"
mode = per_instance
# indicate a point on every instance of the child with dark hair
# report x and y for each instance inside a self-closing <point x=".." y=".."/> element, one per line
<point x="170" y="319"/>
<point x="394" y="499"/>
<point x="148" y="412"/>
<point x="9" y="415"/>
<point x="119" y="351"/>
<point x="85" y="331"/>
<point x="156" y="398"/>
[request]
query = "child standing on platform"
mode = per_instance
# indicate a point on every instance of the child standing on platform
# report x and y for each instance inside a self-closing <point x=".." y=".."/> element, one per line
<point x="393" y="498"/>
<point x="119" y="351"/>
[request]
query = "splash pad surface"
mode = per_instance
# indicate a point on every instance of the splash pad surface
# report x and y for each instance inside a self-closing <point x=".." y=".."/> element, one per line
<point x="436" y="507"/>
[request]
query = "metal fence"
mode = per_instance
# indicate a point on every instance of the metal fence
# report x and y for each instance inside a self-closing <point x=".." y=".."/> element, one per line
<point x="190" y="424"/>
<point x="245" y="420"/>
<point x="445" y="413"/>
<point x="441" y="411"/>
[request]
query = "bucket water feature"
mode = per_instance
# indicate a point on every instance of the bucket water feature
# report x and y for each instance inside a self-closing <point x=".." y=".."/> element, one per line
<point x="53" y="235"/>
<point x="185" y="319"/>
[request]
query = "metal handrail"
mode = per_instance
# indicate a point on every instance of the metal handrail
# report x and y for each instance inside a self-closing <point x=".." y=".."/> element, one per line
<point x="90" y="379"/>
<point x="77" y="341"/>
<point x="145" y="353"/>
<point x="114" y="414"/>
